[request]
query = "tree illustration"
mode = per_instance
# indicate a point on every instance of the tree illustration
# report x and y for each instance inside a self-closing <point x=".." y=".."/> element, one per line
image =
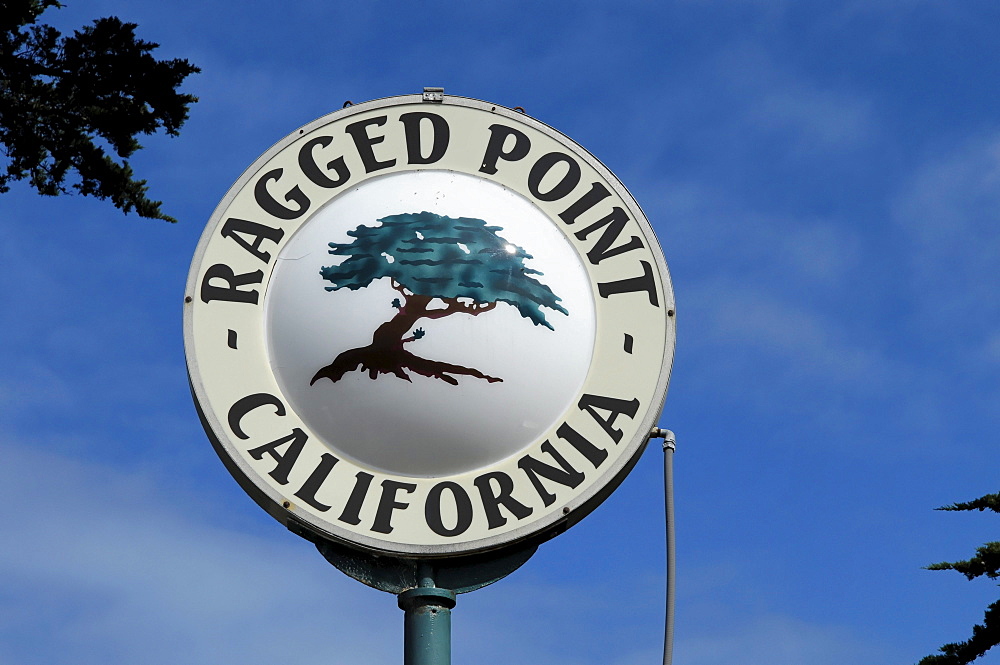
<point x="440" y="266"/>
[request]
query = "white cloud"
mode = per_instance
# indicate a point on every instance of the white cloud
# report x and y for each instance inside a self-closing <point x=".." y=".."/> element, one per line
<point x="618" y="619"/>
<point x="779" y="640"/>
<point x="740" y="107"/>
<point x="766" y="284"/>
<point x="699" y="222"/>
<point x="951" y="207"/>
<point x="103" y="566"/>
<point x="36" y="385"/>
<point x="949" y="212"/>
<point x="795" y="340"/>
<point x="815" y="118"/>
<point x="901" y="8"/>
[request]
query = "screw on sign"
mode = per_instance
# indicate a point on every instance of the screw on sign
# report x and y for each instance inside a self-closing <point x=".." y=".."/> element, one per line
<point x="428" y="333"/>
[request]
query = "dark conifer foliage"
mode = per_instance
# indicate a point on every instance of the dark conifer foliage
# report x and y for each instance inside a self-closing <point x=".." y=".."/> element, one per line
<point x="72" y="107"/>
<point x="986" y="562"/>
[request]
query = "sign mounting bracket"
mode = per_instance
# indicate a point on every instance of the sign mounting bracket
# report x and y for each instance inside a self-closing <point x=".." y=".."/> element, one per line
<point x="434" y="95"/>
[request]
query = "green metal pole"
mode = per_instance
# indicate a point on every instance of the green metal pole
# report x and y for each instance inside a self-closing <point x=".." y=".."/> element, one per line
<point x="427" y="623"/>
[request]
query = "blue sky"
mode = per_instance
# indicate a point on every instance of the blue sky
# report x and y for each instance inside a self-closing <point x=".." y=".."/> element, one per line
<point x="824" y="179"/>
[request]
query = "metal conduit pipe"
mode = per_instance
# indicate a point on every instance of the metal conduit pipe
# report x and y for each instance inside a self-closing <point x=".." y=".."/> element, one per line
<point x="669" y="446"/>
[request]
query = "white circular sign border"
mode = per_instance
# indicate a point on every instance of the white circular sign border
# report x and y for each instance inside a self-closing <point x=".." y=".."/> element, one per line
<point x="556" y="517"/>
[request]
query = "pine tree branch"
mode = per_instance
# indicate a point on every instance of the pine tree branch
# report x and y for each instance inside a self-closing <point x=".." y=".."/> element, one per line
<point x="65" y="100"/>
<point x="985" y="636"/>
<point x="986" y="562"/>
<point x="988" y="502"/>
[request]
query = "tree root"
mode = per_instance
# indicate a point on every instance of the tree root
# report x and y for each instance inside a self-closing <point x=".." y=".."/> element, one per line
<point x="377" y="361"/>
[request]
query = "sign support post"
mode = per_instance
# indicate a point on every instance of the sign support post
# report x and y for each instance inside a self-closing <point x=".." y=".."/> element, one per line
<point x="427" y="621"/>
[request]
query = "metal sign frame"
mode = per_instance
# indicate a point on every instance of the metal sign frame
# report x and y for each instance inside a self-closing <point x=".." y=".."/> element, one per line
<point x="629" y="274"/>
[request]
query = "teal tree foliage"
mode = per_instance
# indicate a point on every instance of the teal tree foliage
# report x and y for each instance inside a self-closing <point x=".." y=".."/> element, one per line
<point x="67" y="102"/>
<point x="440" y="266"/>
<point x="986" y="562"/>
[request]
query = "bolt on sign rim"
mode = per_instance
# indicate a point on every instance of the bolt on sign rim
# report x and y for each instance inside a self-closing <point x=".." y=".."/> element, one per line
<point x="428" y="328"/>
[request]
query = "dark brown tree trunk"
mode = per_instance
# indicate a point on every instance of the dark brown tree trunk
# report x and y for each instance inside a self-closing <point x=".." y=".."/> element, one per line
<point x="386" y="355"/>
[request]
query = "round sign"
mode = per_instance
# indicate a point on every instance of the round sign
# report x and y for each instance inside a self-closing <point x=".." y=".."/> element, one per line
<point x="428" y="328"/>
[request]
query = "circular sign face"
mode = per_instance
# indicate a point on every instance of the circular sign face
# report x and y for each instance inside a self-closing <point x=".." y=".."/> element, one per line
<point x="428" y="328"/>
